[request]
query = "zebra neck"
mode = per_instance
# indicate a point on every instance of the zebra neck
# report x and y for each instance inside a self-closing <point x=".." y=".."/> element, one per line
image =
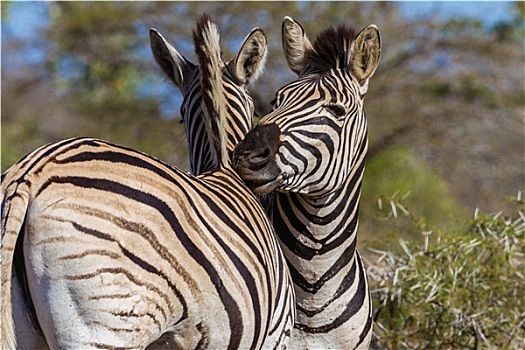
<point x="319" y="242"/>
<point x="312" y="225"/>
<point x="319" y="238"/>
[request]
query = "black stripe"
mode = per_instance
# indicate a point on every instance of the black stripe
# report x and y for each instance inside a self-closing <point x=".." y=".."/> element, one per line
<point x="231" y="306"/>
<point x="347" y="282"/>
<point x="149" y="163"/>
<point x="302" y="250"/>
<point x="142" y="264"/>
<point x="52" y="148"/>
<point x="352" y="307"/>
<point x="339" y="264"/>
<point x="367" y="328"/>
<point x="21" y="276"/>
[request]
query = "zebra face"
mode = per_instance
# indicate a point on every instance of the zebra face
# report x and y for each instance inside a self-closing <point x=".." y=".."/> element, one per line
<point x="316" y="133"/>
<point x="311" y="140"/>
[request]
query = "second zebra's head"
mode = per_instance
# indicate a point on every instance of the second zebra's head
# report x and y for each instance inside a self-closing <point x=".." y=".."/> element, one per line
<point x="237" y="73"/>
<point x="316" y="133"/>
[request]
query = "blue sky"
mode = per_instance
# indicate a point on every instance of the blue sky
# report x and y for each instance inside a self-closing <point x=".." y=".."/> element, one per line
<point x="489" y="12"/>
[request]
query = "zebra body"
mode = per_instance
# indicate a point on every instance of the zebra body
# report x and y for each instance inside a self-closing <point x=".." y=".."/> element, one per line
<point x="311" y="148"/>
<point x="107" y="247"/>
<point x="170" y="248"/>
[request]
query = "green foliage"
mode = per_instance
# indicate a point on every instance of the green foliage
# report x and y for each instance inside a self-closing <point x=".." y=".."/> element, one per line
<point x="468" y="88"/>
<point x="514" y="29"/>
<point x="458" y="289"/>
<point x="397" y="173"/>
<point x="19" y="140"/>
<point x="463" y="26"/>
<point x="97" y="72"/>
<point x="4" y="7"/>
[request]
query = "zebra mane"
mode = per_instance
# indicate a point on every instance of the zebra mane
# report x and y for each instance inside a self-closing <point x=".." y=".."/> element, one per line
<point x="331" y="50"/>
<point x="214" y="105"/>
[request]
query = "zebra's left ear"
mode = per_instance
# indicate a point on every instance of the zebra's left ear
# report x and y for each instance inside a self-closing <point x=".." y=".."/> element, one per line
<point x="366" y="52"/>
<point x="249" y="63"/>
<point x="175" y="66"/>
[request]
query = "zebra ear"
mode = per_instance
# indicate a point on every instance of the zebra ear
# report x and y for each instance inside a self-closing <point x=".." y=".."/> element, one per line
<point x="174" y="65"/>
<point x="249" y="63"/>
<point x="366" y="52"/>
<point x="295" y="44"/>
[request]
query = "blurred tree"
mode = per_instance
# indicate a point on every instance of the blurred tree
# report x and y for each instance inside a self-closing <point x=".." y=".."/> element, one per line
<point x="103" y="67"/>
<point x="445" y="107"/>
<point x="4" y="6"/>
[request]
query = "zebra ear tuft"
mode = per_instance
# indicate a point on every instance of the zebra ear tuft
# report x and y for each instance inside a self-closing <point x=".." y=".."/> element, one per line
<point x="295" y="44"/>
<point x="249" y="63"/>
<point x="366" y="52"/>
<point x="173" y="64"/>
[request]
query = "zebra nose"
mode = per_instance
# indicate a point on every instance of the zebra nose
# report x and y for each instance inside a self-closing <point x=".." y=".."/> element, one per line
<point x="258" y="147"/>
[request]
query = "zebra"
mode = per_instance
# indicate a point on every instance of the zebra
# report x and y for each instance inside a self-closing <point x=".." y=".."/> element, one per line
<point x="107" y="247"/>
<point x="240" y="108"/>
<point x="311" y="148"/>
<point x="236" y="110"/>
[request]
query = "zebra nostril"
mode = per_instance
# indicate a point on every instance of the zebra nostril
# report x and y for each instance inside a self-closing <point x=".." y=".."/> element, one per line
<point x="240" y="152"/>
<point x="258" y="156"/>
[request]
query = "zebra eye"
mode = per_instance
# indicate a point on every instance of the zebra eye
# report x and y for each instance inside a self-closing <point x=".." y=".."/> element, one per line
<point x="336" y="110"/>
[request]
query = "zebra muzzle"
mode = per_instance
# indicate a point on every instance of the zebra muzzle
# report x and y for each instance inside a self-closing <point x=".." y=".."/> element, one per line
<point x="254" y="159"/>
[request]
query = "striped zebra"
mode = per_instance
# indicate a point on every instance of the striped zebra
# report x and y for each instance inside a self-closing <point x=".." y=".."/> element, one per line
<point x="221" y="95"/>
<point x="236" y="76"/>
<point x="311" y="147"/>
<point x="106" y="247"/>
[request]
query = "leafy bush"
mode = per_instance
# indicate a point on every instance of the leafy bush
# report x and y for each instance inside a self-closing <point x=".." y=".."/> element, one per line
<point x="463" y="289"/>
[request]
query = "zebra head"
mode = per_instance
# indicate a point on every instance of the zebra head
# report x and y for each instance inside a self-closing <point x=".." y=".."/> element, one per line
<point x="316" y="133"/>
<point x="237" y="73"/>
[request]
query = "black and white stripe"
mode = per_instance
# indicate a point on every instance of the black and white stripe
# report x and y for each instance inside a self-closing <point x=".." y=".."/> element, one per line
<point x="222" y="87"/>
<point x="237" y="74"/>
<point x="311" y="148"/>
<point x="114" y="249"/>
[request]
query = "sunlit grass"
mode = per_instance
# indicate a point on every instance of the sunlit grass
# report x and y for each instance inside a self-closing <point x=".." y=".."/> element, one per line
<point x="460" y="289"/>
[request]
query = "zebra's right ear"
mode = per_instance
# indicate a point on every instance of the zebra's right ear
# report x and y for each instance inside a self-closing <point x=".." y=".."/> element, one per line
<point x="249" y="63"/>
<point x="174" y="65"/>
<point x="295" y="44"/>
<point x="366" y="52"/>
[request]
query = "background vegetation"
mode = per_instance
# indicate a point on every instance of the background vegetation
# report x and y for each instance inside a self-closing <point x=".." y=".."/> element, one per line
<point x="446" y="124"/>
<point x="456" y="289"/>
